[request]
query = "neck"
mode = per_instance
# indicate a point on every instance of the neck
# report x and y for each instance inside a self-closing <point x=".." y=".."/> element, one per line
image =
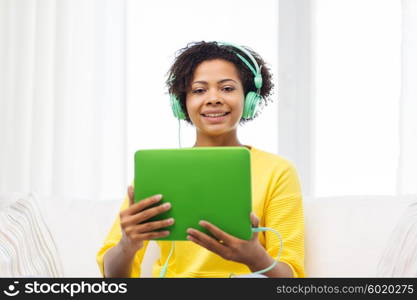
<point x="225" y="140"/>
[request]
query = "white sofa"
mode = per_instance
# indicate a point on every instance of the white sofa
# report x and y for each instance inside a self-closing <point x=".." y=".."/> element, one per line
<point x="345" y="236"/>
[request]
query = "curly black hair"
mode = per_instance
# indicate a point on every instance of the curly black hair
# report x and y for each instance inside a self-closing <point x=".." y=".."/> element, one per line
<point x="180" y="74"/>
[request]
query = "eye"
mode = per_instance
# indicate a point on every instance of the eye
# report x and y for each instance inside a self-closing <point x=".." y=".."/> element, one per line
<point x="229" y="89"/>
<point x="198" y="91"/>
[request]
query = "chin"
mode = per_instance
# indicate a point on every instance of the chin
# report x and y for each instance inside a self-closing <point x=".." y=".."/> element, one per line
<point x="216" y="131"/>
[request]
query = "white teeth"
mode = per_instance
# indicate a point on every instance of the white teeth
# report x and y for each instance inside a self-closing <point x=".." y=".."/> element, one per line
<point x="216" y="115"/>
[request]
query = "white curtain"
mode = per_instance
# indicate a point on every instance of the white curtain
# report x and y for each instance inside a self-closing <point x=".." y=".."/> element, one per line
<point x="62" y="97"/>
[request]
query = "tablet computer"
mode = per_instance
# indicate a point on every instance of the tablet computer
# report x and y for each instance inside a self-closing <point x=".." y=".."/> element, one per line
<point x="201" y="183"/>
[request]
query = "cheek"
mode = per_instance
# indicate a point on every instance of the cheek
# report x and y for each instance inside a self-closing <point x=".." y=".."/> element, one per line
<point x="238" y="107"/>
<point x="192" y="107"/>
<point x="189" y="106"/>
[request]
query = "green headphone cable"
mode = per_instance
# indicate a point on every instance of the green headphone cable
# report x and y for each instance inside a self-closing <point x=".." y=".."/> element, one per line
<point x="257" y="229"/>
<point x="260" y="229"/>
<point x="165" y="266"/>
<point x="179" y="133"/>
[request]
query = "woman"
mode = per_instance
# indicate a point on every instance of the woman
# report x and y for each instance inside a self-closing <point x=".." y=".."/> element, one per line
<point x="215" y="87"/>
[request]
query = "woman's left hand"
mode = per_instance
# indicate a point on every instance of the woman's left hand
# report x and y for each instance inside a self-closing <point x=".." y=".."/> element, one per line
<point x="228" y="246"/>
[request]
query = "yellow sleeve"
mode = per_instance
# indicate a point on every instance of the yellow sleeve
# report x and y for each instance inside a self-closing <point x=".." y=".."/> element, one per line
<point x="284" y="213"/>
<point x="113" y="237"/>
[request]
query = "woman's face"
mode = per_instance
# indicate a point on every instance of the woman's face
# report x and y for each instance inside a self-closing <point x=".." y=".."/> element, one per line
<point x="216" y="97"/>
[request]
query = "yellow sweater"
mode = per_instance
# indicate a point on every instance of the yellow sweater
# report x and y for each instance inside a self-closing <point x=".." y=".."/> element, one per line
<point x="276" y="200"/>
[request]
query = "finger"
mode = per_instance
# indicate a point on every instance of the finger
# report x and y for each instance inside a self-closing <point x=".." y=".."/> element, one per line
<point x="206" y="241"/>
<point x="130" y="195"/>
<point x="148" y="213"/>
<point x="151" y="235"/>
<point x="197" y="241"/>
<point x="217" y="232"/>
<point x="152" y="226"/>
<point x="144" y="203"/>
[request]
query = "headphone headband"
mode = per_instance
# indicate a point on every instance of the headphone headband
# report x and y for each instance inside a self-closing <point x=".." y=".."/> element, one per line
<point x="256" y="72"/>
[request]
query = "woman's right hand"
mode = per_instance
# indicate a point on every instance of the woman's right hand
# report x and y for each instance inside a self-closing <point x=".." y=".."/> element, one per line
<point x="133" y="223"/>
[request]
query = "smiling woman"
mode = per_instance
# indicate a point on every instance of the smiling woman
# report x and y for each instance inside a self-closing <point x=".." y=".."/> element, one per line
<point x="215" y="87"/>
<point x="226" y="66"/>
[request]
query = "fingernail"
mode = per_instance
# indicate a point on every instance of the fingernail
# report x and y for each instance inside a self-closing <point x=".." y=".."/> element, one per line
<point x="158" y="197"/>
<point x="202" y="222"/>
<point x="167" y="205"/>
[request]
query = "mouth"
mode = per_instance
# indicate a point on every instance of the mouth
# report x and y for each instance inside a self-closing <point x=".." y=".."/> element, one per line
<point x="216" y="115"/>
<point x="215" y="118"/>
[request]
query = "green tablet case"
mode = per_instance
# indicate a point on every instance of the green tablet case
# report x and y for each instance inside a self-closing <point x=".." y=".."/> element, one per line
<point x="201" y="183"/>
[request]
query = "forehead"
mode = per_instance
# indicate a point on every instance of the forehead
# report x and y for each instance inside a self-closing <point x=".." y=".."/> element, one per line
<point x="216" y="68"/>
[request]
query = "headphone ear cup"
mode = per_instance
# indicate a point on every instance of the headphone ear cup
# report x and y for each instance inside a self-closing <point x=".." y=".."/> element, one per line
<point x="252" y="100"/>
<point x="176" y="108"/>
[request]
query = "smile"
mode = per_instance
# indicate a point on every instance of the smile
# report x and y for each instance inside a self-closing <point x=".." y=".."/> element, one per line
<point x="215" y="115"/>
<point x="215" y="118"/>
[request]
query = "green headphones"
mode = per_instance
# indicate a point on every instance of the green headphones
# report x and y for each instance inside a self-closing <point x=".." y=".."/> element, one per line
<point x="252" y="99"/>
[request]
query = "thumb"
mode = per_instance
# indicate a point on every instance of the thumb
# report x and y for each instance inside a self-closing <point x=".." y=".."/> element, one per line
<point x="255" y="223"/>
<point x="254" y="219"/>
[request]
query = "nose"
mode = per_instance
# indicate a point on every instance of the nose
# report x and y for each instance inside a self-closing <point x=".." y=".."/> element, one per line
<point x="213" y="99"/>
<point x="214" y="102"/>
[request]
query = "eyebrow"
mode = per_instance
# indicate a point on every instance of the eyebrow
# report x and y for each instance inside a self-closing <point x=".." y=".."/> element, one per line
<point x="220" y="81"/>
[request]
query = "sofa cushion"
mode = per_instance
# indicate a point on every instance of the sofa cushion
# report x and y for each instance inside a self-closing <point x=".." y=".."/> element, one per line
<point x="27" y="248"/>
<point x="399" y="259"/>
<point x="79" y="227"/>
<point x="345" y="236"/>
